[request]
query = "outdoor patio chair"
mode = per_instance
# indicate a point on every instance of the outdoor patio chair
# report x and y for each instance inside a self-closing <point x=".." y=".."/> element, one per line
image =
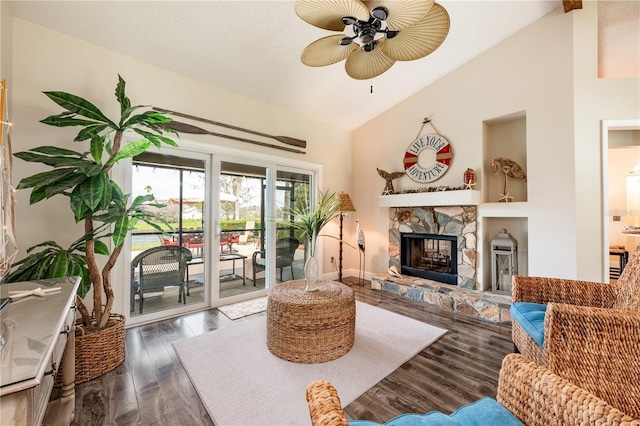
<point x="285" y="251"/>
<point x="166" y="242"/>
<point x="586" y="332"/>
<point x="157" y="268"/>
<point x="249" y="226"/>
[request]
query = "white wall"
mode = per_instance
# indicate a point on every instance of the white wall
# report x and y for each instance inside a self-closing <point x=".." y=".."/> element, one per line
<point x="549" y="71"/>
<point x="46" y="60"/>
<point x="595" y="100"/>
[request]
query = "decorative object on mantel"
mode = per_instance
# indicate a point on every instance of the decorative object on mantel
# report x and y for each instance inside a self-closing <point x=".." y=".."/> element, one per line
<point x="389" y="177"/>
<point x="510" y="169"/>
<point x="346" y="206"/>
<point x="378" y="33"/>
<point x="504" y="262"/>
<point x="469" y="178"/>
<point x="434" y="141"/>
<point x="363" y="259"/>
<point x="430" y="189"/>
<point x="284" y="139"/>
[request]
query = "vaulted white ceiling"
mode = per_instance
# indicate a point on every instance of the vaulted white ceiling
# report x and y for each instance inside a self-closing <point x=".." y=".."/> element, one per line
<point x="253" y="47"/>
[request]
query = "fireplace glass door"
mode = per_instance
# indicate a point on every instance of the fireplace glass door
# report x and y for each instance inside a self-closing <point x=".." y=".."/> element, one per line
<point x="430" y="256"/>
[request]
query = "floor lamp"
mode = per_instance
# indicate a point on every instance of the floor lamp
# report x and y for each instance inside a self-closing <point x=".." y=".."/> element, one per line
<point x="346" y="206"/>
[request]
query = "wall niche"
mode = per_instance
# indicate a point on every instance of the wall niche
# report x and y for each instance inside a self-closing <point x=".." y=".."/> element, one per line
<point x="504" y="136"/>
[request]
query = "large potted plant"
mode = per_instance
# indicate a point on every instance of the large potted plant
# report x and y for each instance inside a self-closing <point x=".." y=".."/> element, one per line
<point x="310" y="221"/>
<point x="97" y="201"/>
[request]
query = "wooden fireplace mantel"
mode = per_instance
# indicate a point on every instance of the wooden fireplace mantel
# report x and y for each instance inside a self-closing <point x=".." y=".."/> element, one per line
<point x="463" y="197"/>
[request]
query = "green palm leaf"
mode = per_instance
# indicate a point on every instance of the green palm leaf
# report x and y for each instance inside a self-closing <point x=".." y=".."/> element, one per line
<point x="79" y="106"/>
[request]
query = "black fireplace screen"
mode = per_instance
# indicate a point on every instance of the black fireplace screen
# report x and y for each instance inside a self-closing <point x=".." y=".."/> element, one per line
<point x="430" y="256"/>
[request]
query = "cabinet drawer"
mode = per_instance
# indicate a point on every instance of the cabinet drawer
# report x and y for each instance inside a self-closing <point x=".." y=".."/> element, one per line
<point x="42" y="393"/>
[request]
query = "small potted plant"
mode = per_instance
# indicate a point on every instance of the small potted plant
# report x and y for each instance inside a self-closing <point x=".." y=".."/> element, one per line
<point x="97" y="201"/>
<point x="310" y="222"/>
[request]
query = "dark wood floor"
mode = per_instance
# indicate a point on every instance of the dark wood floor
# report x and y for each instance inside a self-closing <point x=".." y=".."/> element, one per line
<point x="152" y="388"/>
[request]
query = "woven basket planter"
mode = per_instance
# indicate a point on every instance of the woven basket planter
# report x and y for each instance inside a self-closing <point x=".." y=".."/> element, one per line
<point x="98" y="353"/>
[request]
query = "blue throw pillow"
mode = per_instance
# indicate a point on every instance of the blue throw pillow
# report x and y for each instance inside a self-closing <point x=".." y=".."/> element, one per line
<point x="530" y="316"/>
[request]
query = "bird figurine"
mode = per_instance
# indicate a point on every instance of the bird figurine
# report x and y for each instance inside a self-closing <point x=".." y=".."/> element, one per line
<point x="389" y="177"/>
<point x="510" y="169"/>
<point x="360" y="234"/>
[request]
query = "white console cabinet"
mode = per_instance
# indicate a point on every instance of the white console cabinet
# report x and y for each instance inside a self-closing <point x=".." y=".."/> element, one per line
<point x="37" y="336"/>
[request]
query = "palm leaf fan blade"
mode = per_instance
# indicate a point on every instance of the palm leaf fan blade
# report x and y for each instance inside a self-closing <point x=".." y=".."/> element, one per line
<point x="363" y="65"/>
<point x="326" y="51"/>
<point x="419" y="40"/>
<point x="402" y="13"/>
<point x="327" y="14"/>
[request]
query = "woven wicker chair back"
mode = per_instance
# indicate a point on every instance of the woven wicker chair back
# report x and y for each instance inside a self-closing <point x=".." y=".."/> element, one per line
<point x="160" y="267"/>
<point x="285" y="251"/>
<point x="628" y="298"/>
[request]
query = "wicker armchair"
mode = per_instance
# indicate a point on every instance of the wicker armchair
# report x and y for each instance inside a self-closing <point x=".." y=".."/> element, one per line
<point x="285" y="252"/>
<point x="157" y="268"/>
<point x="532" y="393"/>
<point x="591" y="333"/>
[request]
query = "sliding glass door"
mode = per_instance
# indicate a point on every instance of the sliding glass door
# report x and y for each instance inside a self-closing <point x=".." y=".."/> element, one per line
<point x="242" y="228"/>
<point x="223" y="230"/>
<point x="168" y="260"/>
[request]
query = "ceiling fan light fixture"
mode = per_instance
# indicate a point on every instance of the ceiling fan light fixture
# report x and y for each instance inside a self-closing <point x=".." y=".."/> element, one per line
<point x="391" y="34"/>
<point x="349" y="20"/>
<point x="381" y="13"/>
<point x="345" y="41"/>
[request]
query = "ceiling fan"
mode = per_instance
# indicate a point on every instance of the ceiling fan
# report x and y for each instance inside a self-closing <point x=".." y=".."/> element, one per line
<point x="376" y="33"/>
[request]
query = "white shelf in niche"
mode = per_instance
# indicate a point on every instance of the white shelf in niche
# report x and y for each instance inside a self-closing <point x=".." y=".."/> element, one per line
<point x="463" y="197"/>
<point x="514" y="209"/>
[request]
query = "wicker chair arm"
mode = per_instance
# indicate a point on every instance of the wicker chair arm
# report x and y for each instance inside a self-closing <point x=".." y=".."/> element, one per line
<point x="598" y="350"/>
<point x="539" y="397"/>
<point x="255" y="255"/>
<point x="324" y="405"/>
<point x="574" y="292"/>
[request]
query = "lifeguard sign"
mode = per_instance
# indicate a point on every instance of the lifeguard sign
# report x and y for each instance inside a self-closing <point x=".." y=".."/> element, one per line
<point x="442" y="149"/>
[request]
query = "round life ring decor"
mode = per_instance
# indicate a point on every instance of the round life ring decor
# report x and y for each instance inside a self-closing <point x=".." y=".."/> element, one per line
<point x="443" y="152"/>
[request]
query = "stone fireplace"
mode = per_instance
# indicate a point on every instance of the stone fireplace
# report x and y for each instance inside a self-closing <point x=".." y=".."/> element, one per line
<point x="450" y="215"/>
<point x="429" y="258"/>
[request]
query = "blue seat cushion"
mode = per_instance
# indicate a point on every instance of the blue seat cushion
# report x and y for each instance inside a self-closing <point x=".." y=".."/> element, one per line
<point x="530" y="316"/>
<point x="434" y="418"/>
<point x="486" y="411"/>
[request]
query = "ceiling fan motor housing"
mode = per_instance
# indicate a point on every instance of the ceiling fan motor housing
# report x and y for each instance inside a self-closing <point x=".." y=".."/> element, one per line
<point x="367" y="31"/>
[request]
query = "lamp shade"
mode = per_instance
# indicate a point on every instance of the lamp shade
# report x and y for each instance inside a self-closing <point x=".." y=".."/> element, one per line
<point x="346" y="205"/>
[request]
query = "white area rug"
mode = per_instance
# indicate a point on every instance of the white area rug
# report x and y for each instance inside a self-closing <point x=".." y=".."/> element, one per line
<point x="241" y="383"/>
<point x="243" y="309"/>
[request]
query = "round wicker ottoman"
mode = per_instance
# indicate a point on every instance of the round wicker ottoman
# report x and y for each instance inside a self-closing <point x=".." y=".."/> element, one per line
<point x="310" y="326"/>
